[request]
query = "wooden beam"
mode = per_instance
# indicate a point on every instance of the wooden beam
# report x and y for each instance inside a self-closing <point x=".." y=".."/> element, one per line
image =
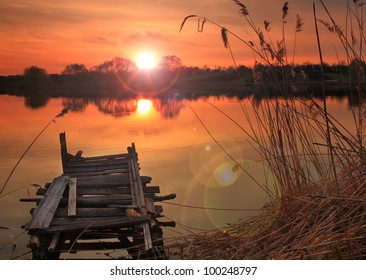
<point x="46" y="209"/>
<point x="137" y="195"/>
<point x="71" y="209"/>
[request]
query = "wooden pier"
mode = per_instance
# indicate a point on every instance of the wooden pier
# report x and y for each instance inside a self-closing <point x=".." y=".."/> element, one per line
<point x="98" y="203"/>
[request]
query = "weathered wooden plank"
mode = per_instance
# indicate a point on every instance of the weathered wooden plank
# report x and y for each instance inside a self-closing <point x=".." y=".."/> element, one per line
<point x="43" y="214"/>
<point x="96" y="163"/>
<point x="110" y="180"/>
<point x="138" y="198"/>
<point x="94" y="246"/>
<point x="99" y="201"/>
<point x="150" y="207"/>
<point x="112" y="233"/>
<point x="97" y="190"/>
<point x="115" y="168"/>
<point x="93" y="191"/>
<point x="96" y="158"/>
<point x="92" y="212"/>
<point x="99" y="173"/>
<point x="73" y="224"/>
<point x="54" y="241"/>
<point x="71" y="208"/>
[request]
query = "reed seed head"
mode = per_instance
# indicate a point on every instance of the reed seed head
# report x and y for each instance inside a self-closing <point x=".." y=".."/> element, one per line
<point x="285" y="10"/>
<point x="243" y="9"/>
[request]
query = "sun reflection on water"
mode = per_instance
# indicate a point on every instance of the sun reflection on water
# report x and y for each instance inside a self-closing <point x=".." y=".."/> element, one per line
<point x="144" y="106"/>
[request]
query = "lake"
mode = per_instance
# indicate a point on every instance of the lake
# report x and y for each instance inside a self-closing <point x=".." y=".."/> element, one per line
<point x="176" y="140"/>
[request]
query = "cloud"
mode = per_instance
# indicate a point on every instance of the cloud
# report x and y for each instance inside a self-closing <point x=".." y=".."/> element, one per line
<point x="147" y="38"/>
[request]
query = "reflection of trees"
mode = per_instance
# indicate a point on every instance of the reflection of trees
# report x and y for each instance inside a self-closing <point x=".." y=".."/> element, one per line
<point x="75" y="104"/>
<point x="116" y="107"/>
<point x="36" y="100"/>
<point x="169" y="107"/>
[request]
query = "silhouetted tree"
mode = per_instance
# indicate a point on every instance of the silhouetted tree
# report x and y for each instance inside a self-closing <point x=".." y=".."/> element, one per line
<point x="34" y="76"/>
<point x="117" y="64"/>
<point x="73" y="69"/>
<point x="170" y="62"/>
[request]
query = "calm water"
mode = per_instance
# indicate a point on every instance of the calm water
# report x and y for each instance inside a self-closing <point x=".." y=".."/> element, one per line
<point x="174" y="149"/>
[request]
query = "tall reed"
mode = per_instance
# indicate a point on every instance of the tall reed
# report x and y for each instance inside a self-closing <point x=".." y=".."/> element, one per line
<point x="318" y="163"/>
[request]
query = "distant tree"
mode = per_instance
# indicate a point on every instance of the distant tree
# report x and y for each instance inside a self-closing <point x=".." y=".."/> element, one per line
<point x="170" y="62"/>
<point x="74" y="69"/>
<point x="34" y="73"/>
<point x="34" y="76"/>
<point x="117" y="64"/>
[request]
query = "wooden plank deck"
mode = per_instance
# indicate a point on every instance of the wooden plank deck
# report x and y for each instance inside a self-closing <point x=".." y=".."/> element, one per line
<point x="102" y="197"/>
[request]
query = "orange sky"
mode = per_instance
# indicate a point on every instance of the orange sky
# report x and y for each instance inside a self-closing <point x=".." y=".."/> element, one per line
<point x="52" y="34"/>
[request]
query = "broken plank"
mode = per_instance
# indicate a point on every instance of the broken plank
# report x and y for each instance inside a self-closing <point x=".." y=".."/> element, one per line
<point x="71" y="208"/>
<point x="43" y="214"/>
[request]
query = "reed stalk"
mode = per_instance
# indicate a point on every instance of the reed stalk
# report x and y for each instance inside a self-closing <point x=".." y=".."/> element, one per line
<point x="318" y="207"/>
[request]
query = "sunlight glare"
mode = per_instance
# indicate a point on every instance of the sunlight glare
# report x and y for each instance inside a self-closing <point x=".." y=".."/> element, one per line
<point x="144" y="106"/>
<point x="146" y="61"/>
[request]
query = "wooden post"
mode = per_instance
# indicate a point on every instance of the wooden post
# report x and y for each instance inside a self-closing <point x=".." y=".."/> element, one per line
<point x="71" y="208"/>
<point x="63" y="150"/>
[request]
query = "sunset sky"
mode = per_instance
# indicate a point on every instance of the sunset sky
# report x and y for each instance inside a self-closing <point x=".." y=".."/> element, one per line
<point x="52" y="34"/>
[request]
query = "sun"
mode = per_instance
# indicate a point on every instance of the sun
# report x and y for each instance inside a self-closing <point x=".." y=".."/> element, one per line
<point x="146" y="61"/>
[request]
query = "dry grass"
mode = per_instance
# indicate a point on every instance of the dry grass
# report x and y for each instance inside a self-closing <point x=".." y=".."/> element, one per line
<point x="317" y="210"/>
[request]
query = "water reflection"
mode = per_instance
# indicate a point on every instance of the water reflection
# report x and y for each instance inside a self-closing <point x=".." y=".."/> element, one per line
<point x="169" y="108"/>
<point x="144" y="106"/>
<point x="36" y="100"/>
<point x="75" y="104"/>
<point x="173" y="148"/>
